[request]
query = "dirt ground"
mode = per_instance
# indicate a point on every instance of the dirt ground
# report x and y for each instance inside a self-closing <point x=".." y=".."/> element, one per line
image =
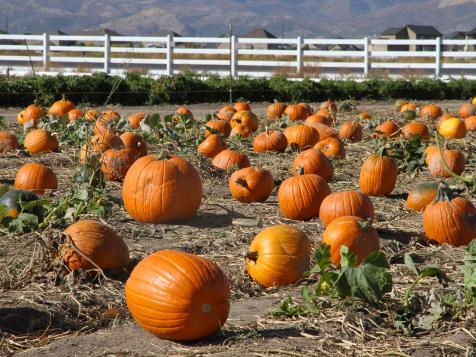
<point x="43" y="315"/>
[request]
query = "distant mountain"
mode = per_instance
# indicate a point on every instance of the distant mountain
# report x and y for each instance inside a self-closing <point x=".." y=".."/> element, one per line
<point x="317" y="18"/>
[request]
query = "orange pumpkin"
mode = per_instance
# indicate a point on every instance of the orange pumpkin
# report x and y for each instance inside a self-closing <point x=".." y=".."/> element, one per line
<point x="313" y="161"/>
<point x="296" y="112"/>
<point x="183" y="111"/>
<point x="422" y="195"/>
<point x="89" y="153"/>
<point x="453" y="158"/>
<point x="275" y="110"/>
<point x="300" y="197"/>
<point x="470" y="123"/>
<point x="316" y="118"/>
<point x="270" y="140"/>
<point x="99" y="243"/>
<point x="241" y="130"/>
<point x="212" y="146"/>
<point x="91" y="115"/>
<point x="351" y="131"/>
<point x="40" y="140"/>
<point x="161" y="189"/>
<point x="429" y="151"/>
<point x="346" y="203"/>
<point x="32" y="112"/>
<point x="61" y="107"/>
<point x="408" y="106"/>
<point x="364" y="116"/>
<point x="251" y="184"/>
<point x="245" y="118"/>
<point x="413" y="128"/>
<point x="102" y="126"/>
<point x="239" y="106"/>
<point x="355" y="233"/>
<point x="116" y="163"/>
<point x="221" y="126"/>
<point x="229" y="159"/>
<point x="20" y="119"/>
<point x="301" y="136"/>
<point x="331" y="147"/>
<point x="467" y="110"/>
<point x="103" y="142"/>
<point x="226" y="113"/>
<point x="134" y="142"/>
<point x="443" y="118"/>
<point x="308" y="108"/>
<point x="329" y="105"/>
<point x="378" y="175"/>
<point x="135" y="119"/>
<point x="279" y="256"/>
<point x="387" y="128"/>
<point x="8" y="142"/>
<point x="431" y="111"/>
<point x="323" y="130"/>
<point x="201" y="308"/>
<point x="36" y="178"/>
<point x="450" y="220"/>
<point x="75" y="114"/>
<point x="399" y="104"/>
<point x="453" y="128"/>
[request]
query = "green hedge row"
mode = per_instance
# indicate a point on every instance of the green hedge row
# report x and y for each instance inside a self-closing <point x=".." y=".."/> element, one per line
<point x="189" y="88"/>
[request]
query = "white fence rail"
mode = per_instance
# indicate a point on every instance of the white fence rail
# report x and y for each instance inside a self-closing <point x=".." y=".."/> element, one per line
<point x="257" y="57"/>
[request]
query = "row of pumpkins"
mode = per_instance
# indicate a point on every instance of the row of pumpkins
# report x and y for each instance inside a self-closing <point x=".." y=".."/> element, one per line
<point x="164" y="188"/>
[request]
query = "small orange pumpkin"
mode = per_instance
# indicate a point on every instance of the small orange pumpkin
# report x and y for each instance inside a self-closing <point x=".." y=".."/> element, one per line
<point x="431" y="111"/>
<point x="453" y="158"/>
<point x="323" y="130"/>
<point x="40" y="140"/>
<point x="135" y="119"/>
<point x="329" y="105"/>
<point x="470" y="123"/>
<point x="228" y="159"/>
<point x="351" y="131"/>
<point x="251" y="184"/>
<point x="422" y="195"/>
<point x="346" y="203"/>
<point x="242" y="106"/>
<point x="408" y="106"/>
<point x="270" y="140"/>
<point x="415" y="127"/>
<point x="61" y="107"/>
<point x="226" y="113"/>
<point x="378" y="175"/>
<point x="387" y="128"/>
<point x="313" y="161"/>
<point x="467" y="110"/>
<point x="222" y="126"/>
<point x="116" y="163"/>
<point x="296" y="112"/>
<point x="212" y="146"/>
<point x="134" y="142"/>
<point x="316" y="118"/>
<point x="245" y="118"/>
<point x="355" y="233"/>
<point x="279" y="256"/>
<point x="8" y="142"/>
<point x="331" y="147"/>
<point x="275" y="110"/>
<point x="241" y="130"/>
<point x="301" y="136"/>
<point x="75" y="114"/>
<point x="36" y="178"/>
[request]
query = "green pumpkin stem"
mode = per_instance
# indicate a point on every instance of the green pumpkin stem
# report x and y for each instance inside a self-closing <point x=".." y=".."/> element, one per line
<point x="365" y="223"/>
<point x="253" y="256"/>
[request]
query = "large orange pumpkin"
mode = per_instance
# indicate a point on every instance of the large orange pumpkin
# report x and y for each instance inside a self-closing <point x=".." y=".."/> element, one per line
<point x="313" y="161"/>
<point x="8" y="142"/>
<point x="275" y="110"/>
<point x="450" y="220"/>
<point x="99" y="243"/>
<point x="331" y="147"/>
<point x="251" y="184"/>
<point x="161" y="189"/>
<point x="279" y="256"/>
<point x="300" y="197"/>
<point x="301" y="136"/>
<point x="61" y="107"/>
<point x="354" y="232"/>
<point x="413" y="128"/>
<point x="296" y="112"/>
<point x="453" y="158"/>
<point x="422" y="195"/>
<point x="228" y="159"/>
<point x="212" y="146"/>
<point x="36" y="178"/>
<point x="40" y="140"/>
<point x="178" y="296"/>
<point x="346" y="203"/>
<point x="270" y="140"/>
<point x="378" y="175"/>
<point x="431" y="111"/>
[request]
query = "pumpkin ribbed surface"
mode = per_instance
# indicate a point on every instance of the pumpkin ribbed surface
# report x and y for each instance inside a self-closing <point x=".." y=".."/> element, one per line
<point x="346" y="203"/>
<point x="378" y="175"/>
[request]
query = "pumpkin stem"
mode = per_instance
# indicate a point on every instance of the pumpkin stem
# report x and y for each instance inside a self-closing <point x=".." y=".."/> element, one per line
<point x="444" y="193"/>
<point x="162" y="155"/>
<point x="300" y="170"/>
<point x="253" y="256"/>
<point x="242" y="182"/>
<point x="266" y="130"/>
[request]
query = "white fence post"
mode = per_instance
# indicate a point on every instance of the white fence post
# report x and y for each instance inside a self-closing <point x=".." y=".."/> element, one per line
<point x="107" y="52"/>
<point x="366" y="57"/>
<point x="299" y="55"/>
<point x="170" y="56"/>
<point x="233" y="56"/>
<point x="45" y="51"/>
<point x="438" y="57"/>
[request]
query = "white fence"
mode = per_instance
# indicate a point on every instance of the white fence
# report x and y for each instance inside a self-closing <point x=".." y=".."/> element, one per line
<point x="256" y="57"/>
